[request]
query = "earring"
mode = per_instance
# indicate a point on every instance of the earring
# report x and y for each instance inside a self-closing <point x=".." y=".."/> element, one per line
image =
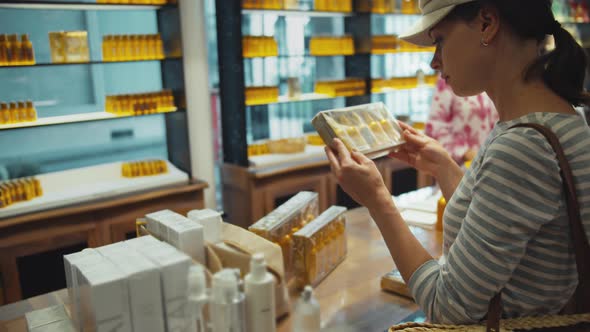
<point x="483" y="43"/>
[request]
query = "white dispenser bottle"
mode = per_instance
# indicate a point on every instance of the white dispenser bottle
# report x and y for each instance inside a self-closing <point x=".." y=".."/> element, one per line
<point x="260" y="297"/>
<point x="227" y="303"/>
<point x="307" y="313"/>
<point x="197" y="296"/>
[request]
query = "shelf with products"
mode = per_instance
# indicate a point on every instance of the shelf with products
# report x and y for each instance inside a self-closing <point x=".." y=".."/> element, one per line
<point x="49" y="64"/>
<point x="65" y="5"/>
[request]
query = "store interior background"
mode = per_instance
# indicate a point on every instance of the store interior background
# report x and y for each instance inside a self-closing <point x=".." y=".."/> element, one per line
<point x="81" y="88"/>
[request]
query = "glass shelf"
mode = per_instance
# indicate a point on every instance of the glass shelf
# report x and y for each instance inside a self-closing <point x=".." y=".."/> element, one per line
<point x="287" y="56"/>
<point x="294" y="12"/>
<point x="63" y="5"/>
<point x="74" y="118"/>
<point x="86" y="63"/>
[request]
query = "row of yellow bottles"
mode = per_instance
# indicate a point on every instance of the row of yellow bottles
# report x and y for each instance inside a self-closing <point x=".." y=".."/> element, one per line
<point x="324" y="46"/>
<point x="333" y="5"/>
<point x="383" y="6"/>
<point x="384" y="44"/>
<point x="280" y="225"/>
<point x="263" y="4"/>
<point x="258" y="149"/>
<point x="69" y="46"/>
<point x="19" y="190"/>
<point x="262" y="95"/>
<point x="139" y="2"/>
<point x="132" y="47"/>
<point x="341" y="88"/>
<point x="391" y="44"/>
<point x="17" y="112"/>
<point x="399" y="83"/>
<point x="15" y="51"/>
<point x="320" y="246"/>
<point x="315" y="139"/>
<point x="259" y="46"/>
<point x="144" y="168"/>
<point x="410" y="7"/>
<point x="141" y="103"/>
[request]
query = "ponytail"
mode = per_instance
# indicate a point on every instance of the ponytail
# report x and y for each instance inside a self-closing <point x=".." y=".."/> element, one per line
<point x="564" y="68"/>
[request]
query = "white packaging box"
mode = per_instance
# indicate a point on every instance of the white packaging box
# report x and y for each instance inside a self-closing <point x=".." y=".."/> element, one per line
<point x="84" y="257"/>
<point x="104" y="300"/>
<point x="211" y="221"/>
<point x="173" y="265"/>
<point x="52" y="319"/>
<point x="180" y="232"/>
<point x="154" y="223"/>
<point x="143" y="285"/>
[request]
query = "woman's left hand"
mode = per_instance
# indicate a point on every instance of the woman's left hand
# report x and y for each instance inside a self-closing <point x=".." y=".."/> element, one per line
<point x="357" y="175"/>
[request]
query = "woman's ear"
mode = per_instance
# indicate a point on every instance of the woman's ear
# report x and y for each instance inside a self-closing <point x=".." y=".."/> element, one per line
<point x="489" y="22"/>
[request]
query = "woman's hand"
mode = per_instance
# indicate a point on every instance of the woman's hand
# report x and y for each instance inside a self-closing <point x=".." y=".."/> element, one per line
<point x="422" y="152"/>
<point x="357" y="175"/>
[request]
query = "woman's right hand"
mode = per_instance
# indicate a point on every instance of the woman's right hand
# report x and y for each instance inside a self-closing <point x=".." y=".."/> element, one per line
<point x="422" y="152"/>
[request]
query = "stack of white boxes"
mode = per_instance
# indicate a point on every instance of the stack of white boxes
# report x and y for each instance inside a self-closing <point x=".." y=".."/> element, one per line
<point x="141" y="284"/>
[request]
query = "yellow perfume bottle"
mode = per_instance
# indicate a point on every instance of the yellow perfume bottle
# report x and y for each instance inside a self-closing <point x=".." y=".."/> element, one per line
<point x="159" y="45"/>
<point x="23" y="115"/>
<point x="375" y="127"/>
<point x="364" y="130"/>
<point x="31" y="111"/>
<point x="14" y="47"/>
<point x="13" y="112"/>
<point x="4" y="115"/>
<point x="27" y="53"/>
<point x="4" y="50"/>
<point x="354" y="134"/>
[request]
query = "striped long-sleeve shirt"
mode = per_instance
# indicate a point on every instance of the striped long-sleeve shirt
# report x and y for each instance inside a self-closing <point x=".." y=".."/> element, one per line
<point x="506" y="227"/>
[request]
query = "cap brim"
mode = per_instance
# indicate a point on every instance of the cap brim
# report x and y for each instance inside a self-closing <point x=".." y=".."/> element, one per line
<point x="418" y="34"/>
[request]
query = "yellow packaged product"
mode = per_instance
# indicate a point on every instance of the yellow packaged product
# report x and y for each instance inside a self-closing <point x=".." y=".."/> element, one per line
<point x="369" y="128"/>
<point x="279" y="225"/>
<point x="320" y="246"/>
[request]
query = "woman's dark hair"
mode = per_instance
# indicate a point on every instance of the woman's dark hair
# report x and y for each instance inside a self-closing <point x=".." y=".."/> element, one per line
<point x="562" y="69"/>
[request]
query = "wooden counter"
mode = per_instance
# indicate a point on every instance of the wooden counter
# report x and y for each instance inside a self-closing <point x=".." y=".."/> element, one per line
<point x="350" y="296"/>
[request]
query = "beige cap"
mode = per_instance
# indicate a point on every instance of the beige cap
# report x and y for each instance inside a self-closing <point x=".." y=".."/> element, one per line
<point x="433" y="11"/>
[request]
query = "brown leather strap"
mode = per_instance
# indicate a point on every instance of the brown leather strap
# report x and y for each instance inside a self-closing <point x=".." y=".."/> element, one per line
<point x="578" y="235"/>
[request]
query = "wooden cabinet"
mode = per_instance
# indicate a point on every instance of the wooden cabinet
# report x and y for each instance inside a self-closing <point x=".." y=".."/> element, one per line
<point x="24" y="240"/>
<point x="250" y="194"/>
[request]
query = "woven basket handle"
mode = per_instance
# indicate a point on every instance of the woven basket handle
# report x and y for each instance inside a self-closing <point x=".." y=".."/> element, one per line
<point x="578" y="235"/>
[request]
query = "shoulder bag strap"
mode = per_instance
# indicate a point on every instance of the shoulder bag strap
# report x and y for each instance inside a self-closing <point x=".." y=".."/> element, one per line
<point x="578" y="235"/>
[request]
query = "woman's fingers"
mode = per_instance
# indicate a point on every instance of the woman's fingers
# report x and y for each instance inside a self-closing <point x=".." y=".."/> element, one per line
<point x="334" y="163"/>
<point x="360" y="158"/>
<point x="342" y="152"/>
<point x="406" y="126"/>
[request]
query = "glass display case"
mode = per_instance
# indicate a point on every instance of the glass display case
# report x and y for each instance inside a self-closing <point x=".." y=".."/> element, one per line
<point x="86" y="54"/>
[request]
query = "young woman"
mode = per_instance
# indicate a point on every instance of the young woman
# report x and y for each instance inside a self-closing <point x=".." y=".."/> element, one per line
<point x="505" y="226"/>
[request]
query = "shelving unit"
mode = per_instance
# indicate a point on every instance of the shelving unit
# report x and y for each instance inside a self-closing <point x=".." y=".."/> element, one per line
<point x="243" y="124"/>
<point x="98" y="205"/>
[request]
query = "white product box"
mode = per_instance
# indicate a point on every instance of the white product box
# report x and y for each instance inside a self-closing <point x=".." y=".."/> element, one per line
<point x="59" y="326"/>
<point x="85" y="257"/>
<point x="154" y="223"/>
<point x="104" y="300"/>
<point x="173" y="265"/>
<point x="143" y="285"/>
<point x="211" y="221"/>
<point x="180" y="232"/>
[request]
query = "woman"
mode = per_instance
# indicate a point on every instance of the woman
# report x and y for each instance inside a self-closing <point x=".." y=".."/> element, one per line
<point x="505" y="226"/>
<point x="460" y="124"/>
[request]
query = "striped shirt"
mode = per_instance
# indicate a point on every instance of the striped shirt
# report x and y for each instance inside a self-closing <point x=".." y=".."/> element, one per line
<point x="506" y="226"/>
